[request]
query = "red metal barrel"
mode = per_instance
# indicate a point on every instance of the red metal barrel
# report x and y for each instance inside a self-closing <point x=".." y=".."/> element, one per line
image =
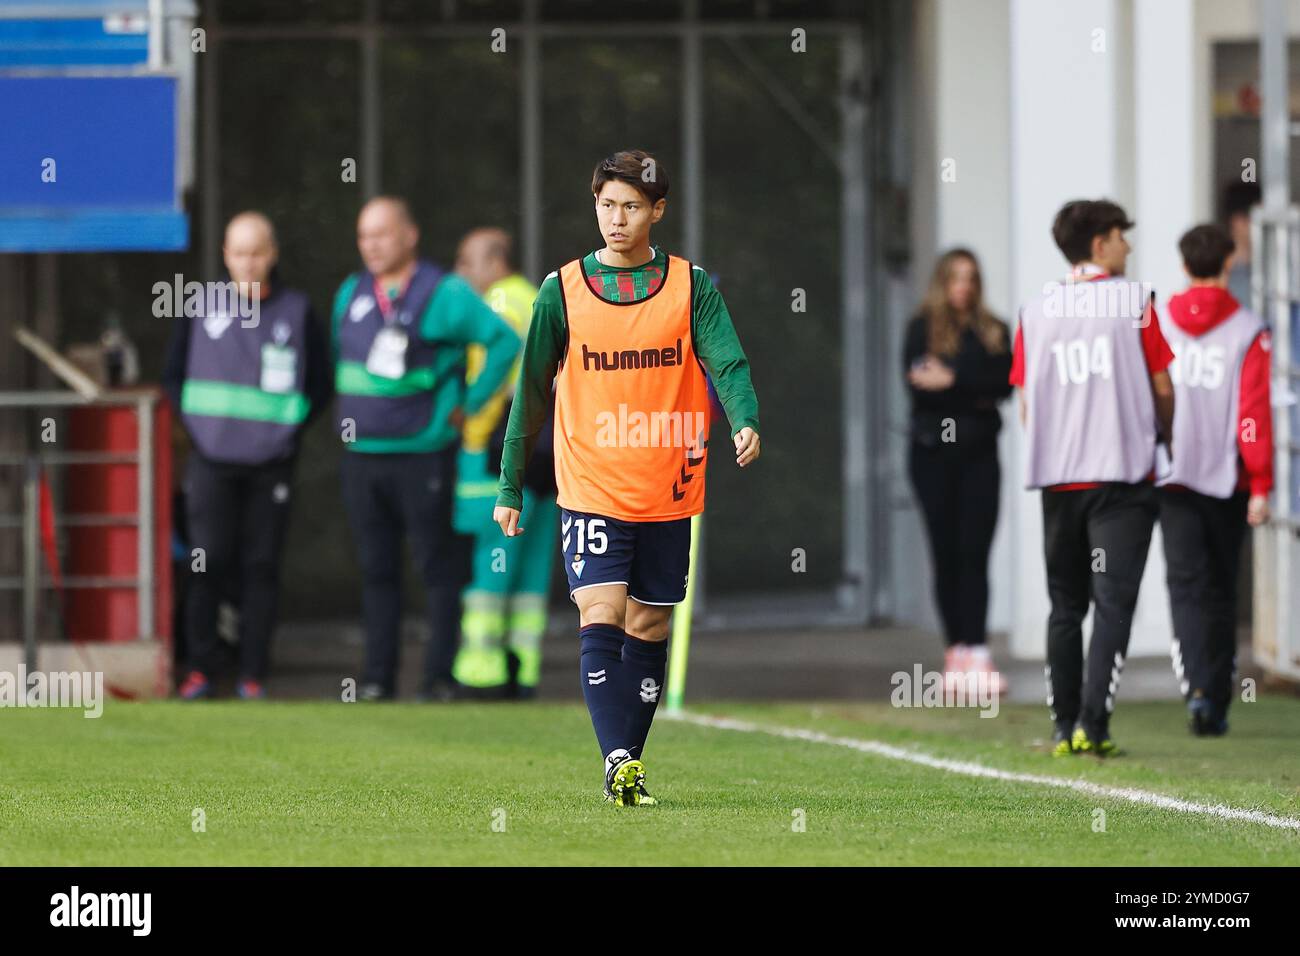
<point x="110" y="549"/>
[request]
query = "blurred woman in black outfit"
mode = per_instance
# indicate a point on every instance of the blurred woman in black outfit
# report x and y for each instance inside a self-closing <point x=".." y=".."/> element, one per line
<point x="957" y="359"/>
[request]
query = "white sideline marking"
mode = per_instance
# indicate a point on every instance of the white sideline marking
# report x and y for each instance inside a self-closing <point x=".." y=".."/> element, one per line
<point x="1132" y="795"/>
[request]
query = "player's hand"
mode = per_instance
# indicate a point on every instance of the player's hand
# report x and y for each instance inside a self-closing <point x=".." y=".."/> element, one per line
<point x="508" y="519"/>
<point x="1257" y="510"/>
<point x="747" y="450"/>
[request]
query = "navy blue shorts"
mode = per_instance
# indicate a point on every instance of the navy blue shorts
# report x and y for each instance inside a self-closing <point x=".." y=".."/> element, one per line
<point x="652" y="558"/>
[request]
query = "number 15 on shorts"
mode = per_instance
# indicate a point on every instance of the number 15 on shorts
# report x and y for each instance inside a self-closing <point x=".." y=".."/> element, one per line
<point x="590" y="532"/>
<point x="652" y="558"/>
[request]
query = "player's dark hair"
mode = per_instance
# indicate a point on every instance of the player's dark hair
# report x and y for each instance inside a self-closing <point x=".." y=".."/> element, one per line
<point x="1081" y="221"/>
<point x="635" y="167"/>
<point x="1205" y="249"/>
<point x="1239" y="199"/>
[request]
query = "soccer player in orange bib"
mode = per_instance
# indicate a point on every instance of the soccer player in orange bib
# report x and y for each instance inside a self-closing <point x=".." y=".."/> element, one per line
<point x="627" y="335"/>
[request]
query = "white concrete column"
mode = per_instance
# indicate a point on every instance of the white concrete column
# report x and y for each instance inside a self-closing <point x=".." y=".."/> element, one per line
<point x="974" y="184"/>
<point x="1170" y="162"/>
<point x="1170" y="168"/>
<point x="1073" y="126"/>
<point x="1063" y="146"/>
<point x="960" y="189"/>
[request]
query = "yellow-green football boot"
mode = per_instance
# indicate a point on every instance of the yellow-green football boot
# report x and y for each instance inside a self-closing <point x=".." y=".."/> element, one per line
<point x="625" y="783"/>
<point x="1105" y="747"/>
<point x="1062" y="745"/>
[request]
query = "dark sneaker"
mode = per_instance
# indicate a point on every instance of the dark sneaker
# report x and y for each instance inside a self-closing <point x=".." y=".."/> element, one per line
<point x="251" y="690"/>
<point x="1205" y="718"/>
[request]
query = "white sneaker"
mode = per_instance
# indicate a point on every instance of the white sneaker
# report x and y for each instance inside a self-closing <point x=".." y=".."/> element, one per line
<point x="980" y="661"/>
<point x="956" y="662"/>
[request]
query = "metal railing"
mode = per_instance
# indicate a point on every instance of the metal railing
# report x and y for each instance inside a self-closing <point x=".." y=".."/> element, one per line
<point x="31" y="582"/>
<point x="1275" y="296"/>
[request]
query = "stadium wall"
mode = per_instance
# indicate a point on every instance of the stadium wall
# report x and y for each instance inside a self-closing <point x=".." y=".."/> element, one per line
<point x="1137" y="128"/>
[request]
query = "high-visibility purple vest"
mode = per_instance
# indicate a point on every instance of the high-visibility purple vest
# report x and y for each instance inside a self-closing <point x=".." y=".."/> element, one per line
<point x="1091" y="415"/>
<point x="1207" y="391"/>
<point x="387" y="408"/>
<point x="243" y="399"/>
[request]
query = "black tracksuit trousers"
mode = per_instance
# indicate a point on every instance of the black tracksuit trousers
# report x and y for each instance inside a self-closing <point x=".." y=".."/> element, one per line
<point x="386" y="497"/>
<point x="1203" y="540"/>
<point x="1096" y="542"/>
<point x="238" y="515"/>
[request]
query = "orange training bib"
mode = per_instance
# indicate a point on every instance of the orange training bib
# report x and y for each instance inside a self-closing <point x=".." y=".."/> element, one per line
<point x="631" y="403"/>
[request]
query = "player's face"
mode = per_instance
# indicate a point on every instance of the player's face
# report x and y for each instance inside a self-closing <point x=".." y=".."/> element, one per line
<point x="385" y="238"/>
<point x="1112" y="252"/>
<point x="249" y="252"/>
<point x="625" y="216"/>
<point x="961" y="285"/>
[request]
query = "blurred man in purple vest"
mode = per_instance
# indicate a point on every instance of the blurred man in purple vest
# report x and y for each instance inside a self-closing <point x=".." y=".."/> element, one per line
<point x="1091" y="364"/>
<point x="246" y="383"/>
<point x="1220" y="478"/>
<point x="402" y="328"/>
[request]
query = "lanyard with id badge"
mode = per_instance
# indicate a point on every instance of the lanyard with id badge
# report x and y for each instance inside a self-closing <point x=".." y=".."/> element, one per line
<point x="387" y="358"/>
<point x="279" y="362"/>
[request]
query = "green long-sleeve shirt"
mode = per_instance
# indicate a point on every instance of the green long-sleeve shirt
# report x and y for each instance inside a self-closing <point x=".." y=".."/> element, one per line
<point x="455" y="317"/>
<point x="715" y="343"/>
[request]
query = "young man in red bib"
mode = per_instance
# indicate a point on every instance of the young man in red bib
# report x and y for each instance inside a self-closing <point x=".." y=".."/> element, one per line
<point x="1222" y="470"/>
<point x="627" y="335"/>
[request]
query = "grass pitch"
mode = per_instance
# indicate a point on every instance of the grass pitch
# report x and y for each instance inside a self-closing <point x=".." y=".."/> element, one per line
<point x="357" y="784"/>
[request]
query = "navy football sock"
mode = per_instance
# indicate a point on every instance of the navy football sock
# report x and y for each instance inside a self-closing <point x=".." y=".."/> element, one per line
<point x="644" y="663"/>
<point x="602" y="680"/>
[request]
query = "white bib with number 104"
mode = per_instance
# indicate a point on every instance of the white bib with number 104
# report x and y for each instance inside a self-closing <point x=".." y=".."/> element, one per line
<point x="387" y="357"/>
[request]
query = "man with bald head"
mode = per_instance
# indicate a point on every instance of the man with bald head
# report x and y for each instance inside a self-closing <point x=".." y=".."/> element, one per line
<point x="246" y="381"/>
<point x="402" y="330"/>
<point x="505" y="602"/>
